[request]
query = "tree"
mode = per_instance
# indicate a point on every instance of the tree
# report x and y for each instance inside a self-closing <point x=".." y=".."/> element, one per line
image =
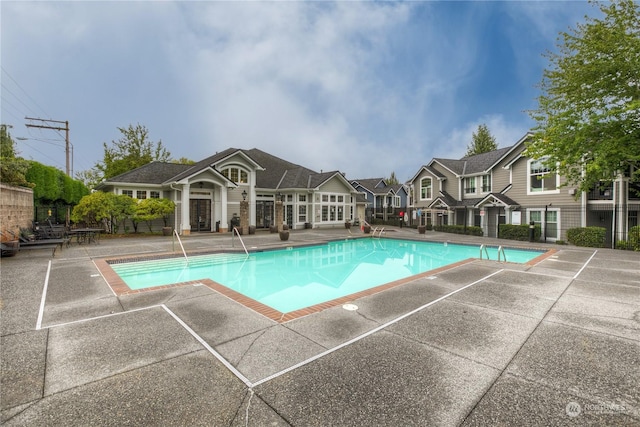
<point x="123" y="207"/>
<point x="132" y="150"/>
<point x="151" y="209"/>
<point x="12" y="168"/>
<point x="392" y="180"/>
<point x="94" y="209"/>
<point x="481" y="142"/>
<point x="588" y="115"/>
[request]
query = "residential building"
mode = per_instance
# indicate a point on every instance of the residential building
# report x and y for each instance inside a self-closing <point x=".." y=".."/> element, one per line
<point x="506" y="187"/>
<point x="384" y="201"/>
<point x="208" y="193"/>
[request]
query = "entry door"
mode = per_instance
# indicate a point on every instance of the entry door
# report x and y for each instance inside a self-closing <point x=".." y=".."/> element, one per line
<point x="200" y="214"/>
<point x="264" y="212"/>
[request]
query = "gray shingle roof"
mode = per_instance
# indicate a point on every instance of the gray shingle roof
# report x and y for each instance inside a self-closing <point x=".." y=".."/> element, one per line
<point x="151" y="173"/>
<point x="277" y="173"/>
<point x="476" y="164"/>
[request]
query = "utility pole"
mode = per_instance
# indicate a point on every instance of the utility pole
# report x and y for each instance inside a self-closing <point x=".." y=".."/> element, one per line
<point x="65" y="128"/>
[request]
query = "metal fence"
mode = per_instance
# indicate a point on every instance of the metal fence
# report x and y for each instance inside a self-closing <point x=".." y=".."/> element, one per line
<point x="620" y="222"/>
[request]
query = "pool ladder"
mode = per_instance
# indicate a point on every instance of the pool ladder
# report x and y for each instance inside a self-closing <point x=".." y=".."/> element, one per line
<point x="235" y="230"/>
<point x="373" y="233"/>
<point x="175" y="233"/>
<point x="500" y="253"/>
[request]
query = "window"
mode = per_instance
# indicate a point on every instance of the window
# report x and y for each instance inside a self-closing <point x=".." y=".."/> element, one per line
<point x="470" y="185"/>
<point x="332" y="207"/>
<point x="302" y="213"/>
<point x="486" y="183"/>
<point x="396" y="201"/>
<point x="141" y="194"/>
<point x="236" y="174"/>
<point x="154" y="194"/>
<point x="128" y="193"/>
<point x="425" y="189"/>
<point x="302" y="197"/>
<point x="541" y="179"/>
<point x="549" y="225"/>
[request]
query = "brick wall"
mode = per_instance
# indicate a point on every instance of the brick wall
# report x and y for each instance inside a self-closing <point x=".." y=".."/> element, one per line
<point x="16" y="210"/>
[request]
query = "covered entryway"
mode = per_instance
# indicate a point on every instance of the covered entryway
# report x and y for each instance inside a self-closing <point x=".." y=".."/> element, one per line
<point x="200" y="215"/>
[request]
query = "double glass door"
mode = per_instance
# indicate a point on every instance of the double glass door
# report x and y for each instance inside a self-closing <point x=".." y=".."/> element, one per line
<point x="200" y="215"/>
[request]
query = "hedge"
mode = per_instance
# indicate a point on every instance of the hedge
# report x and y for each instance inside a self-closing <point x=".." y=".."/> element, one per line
<point x="518" y="232"/>
<point x="459" y="229"/>
<point x="591" y="237"/>
<point x="634" y="238"/>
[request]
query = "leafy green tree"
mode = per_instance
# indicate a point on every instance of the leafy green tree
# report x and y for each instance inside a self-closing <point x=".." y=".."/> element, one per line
<point x="132" y="150"/>
<point x="481" y="141"/>
<point x="588" y="115"/>
<point x="124" y="207"/>
<point x="149" y="210"/>
<point x="183" y="161"/>
<point x="12" y="168"/>
<point x="94" y="209"/>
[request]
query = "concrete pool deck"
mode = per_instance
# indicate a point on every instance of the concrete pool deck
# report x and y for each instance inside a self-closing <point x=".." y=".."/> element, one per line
<point x="484" y="343"/>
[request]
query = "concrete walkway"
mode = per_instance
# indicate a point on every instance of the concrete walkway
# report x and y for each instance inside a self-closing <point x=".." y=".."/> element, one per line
<point x="484" y="343"/>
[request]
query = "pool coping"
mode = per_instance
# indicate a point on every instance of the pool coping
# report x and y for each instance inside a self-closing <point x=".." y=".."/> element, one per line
<point x="120" y="288"/>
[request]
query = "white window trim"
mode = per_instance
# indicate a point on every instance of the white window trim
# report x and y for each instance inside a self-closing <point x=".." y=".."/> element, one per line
<point x="420" y="189"/>
<point x="481" y="186"/>
<point x="535" y="193"/>
<point x="542" y="222"/>
<point x="475" y="185"/>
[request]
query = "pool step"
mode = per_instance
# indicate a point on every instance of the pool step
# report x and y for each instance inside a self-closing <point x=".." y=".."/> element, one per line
<point x="176" y="263"/>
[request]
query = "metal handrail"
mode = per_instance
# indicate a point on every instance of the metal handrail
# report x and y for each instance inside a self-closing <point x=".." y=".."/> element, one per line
<point x="501" y="250"/>
<point x="175" y="233"/>
<point x="486" y="251"/>
<point x="235" y="230"/>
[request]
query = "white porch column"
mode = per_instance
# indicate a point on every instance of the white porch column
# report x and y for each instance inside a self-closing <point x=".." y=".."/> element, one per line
<point x="252" y="199"/>
<point x="185" y="226"/>
<point x="224" y="221"/>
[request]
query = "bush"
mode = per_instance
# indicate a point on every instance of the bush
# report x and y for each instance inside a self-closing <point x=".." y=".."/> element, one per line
<point x="518" y="232"/>
<point x="591" y="237"/>
<point x="634" y="238"/>
<point x="622" y="244"/>
<point x="459" y="229"/>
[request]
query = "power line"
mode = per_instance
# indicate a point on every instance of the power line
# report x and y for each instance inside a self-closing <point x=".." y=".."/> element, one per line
<point x="58" y="128"/>
<point x="23" y="91"/>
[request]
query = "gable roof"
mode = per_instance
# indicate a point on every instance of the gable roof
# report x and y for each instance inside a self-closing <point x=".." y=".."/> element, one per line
<point x="272" y="172"/>
<point x="155" y="172"/>
<point x="473" y="165"/>
<point x="372" y="185"/>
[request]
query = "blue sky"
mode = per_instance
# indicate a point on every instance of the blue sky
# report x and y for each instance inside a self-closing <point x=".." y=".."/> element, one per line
<point x="364" y="88"/>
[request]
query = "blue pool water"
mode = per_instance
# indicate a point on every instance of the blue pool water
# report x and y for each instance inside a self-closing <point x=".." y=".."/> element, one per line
<point x="294" y="278"/>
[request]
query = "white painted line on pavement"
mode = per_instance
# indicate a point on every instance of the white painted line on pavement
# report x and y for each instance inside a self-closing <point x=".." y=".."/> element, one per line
<point x="366" y="334"/>
<point x="209" y="348"/>
<point x="44" y="297"/>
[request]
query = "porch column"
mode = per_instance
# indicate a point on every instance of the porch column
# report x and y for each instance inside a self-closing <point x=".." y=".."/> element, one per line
<point x="620" y="208"/>
<point x="224" y="221"/>
<point x="185" y="226"/>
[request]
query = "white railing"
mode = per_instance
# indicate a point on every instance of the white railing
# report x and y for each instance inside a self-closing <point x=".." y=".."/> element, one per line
<point x="486" y="251"/>
<point x="379" y="232"/>
<point x="501" y="251"/>
<point x="175" y="233"/>
<point x="235" y="231"/>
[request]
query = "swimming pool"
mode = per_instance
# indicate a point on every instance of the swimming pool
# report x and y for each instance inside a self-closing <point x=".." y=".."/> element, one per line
<point x="294" y="278"/>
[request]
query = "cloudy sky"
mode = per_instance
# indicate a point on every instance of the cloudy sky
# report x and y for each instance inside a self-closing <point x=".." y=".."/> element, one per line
<point x="364" y="88"/>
